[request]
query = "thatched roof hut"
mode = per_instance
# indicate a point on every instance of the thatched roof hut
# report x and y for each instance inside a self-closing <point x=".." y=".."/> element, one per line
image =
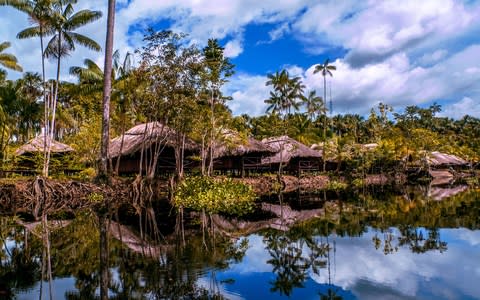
<point x="37" y="145"/>
<point x="297" y="156"/>
<point x="290" y="149"/>
<point x="238" y="153"/>
<point x="438" y="159"/>
<point x="128" y="147"/>
<point x="144" y="135"/>
<point x="235" y="145"/>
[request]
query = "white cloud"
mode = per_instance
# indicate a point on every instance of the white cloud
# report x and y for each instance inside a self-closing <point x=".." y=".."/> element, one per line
<point x="372" y="31"/>
<point x="431" y="58"/>
<point x="233" y="48"/>
<point x="395" y="81"/>
<point x="466" y="106"/>
<point x="248" y="93"/>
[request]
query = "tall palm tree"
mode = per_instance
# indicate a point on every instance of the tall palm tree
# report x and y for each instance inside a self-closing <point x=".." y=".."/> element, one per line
<point x="326" y="69"/>
<point x="107" y="90"/>
<point x="64" y="23"/>
<point x="8" y="60"/>
<point x="40" y="13"/>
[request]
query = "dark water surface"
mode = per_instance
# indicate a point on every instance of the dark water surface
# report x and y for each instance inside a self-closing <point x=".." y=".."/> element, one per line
<point x="413" y="243"/>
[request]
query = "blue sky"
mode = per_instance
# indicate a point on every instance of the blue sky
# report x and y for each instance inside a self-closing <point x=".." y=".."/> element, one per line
<point x="397" y="52"/>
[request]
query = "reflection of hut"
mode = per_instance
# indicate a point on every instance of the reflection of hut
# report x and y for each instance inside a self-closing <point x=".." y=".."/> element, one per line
<point x="295" y="156"/>
<point x="154" y="138"/>
<point x="239" y="154"/>
<point x="31" y="153"/>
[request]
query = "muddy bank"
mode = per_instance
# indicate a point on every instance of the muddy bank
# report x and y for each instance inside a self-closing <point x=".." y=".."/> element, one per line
<point x="269" y="184"/>
<point x="33" y="196"/>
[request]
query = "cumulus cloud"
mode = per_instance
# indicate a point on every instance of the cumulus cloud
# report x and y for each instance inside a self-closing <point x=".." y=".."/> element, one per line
<point x="248" y="93"/>
<point x="395" y="81"/>
<point x="466" y="106"/>
<point x="233" y="48"/>
<point x="373" y="31"/>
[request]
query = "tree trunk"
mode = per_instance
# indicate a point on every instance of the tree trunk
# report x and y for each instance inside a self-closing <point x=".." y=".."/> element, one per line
<point x="107" y="89"/>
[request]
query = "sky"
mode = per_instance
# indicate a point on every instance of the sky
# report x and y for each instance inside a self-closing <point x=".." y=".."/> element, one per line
<point x="403" y="52"/>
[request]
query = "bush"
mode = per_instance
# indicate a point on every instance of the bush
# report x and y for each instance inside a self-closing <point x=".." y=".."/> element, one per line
<point x="215" y="196"/>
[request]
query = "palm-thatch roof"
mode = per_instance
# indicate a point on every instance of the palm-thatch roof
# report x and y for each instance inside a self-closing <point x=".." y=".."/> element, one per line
<point x="437" y="159"/>
<point x="288" y="148"/>
<point x="233" y="144"/>
<point x="37" y="145"/>
<point x="145" y="135"/>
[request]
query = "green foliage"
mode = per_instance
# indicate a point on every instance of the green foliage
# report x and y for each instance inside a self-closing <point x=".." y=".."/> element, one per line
<point x="215" y="196"/>
<point x="95" y="197"/>
<point x="335" y="185"/>
<point x="87" y="174"/>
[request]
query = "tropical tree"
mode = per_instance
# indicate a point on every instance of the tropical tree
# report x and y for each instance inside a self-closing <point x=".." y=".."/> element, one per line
<point x="314" y="105"/>
<point x="286" y="92"/>
<point x="325" y="69"/>
<point x="217" y="69"/>
<point x="8" y="60"/>
<point x="107" y="91"/>
<point x="64" y="23"/>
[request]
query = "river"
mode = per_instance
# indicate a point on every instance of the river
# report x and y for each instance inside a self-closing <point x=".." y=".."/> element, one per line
<point x="407" y="243"/>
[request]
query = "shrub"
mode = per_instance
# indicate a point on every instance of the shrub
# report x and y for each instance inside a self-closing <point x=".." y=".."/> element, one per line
<point x="215" y="196"/>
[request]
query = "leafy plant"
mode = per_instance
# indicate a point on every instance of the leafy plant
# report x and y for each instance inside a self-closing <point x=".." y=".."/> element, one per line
<point x="214" y="196"/>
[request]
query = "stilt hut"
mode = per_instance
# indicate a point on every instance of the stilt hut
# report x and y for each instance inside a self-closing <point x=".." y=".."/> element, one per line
<point x="441" y="167"/>
<point x="146" y="146"/>
<point x="293" y="155"/>
<point x="31" y="154"/>
<point x="239" y="155"/>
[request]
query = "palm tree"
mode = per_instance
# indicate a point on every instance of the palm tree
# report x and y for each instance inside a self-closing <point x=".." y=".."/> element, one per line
<point x="64" y="23"/>
<point x="8" y="60"/>
<point x="107" y="90"/>
<point x="326" y="69"/>
<point x="314" y="104"/>
<point x="286" y="92"/>
<point x="40" y="14"/>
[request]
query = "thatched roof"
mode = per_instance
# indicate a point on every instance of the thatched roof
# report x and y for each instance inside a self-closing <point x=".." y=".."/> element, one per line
<point x="233" y="144"/>
<point x="145" y="134"/>
<point x="37" y="145"/>
<point x="437" y="159"/>
<point x="291" y="149"/>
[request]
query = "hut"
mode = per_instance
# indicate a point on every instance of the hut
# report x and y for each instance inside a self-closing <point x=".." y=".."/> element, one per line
<point x="31" y="153"/>
<point x="440" y="160"/>
<point x="295" y="156"/>
<point x="238" y="154"/>
<point x="153" y="138"/>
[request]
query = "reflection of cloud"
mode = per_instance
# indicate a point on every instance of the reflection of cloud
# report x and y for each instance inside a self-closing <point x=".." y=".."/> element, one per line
<point x="206" y="283"/>
<point x="255" y="259"/>
<point x="365" y="271"/>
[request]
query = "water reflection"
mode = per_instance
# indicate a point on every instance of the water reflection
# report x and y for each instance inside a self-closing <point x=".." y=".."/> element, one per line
<point x="398" y="244"/>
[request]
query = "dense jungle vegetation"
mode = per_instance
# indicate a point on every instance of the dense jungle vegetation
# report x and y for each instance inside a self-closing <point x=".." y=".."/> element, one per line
<point x="173" y="82"/>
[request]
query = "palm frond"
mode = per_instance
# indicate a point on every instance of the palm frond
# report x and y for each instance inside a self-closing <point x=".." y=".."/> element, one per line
<point x="4" y="46"/>
<point x="85" y="41"/>
<point x="82" y="18"/>
<point x="29" y="33"/>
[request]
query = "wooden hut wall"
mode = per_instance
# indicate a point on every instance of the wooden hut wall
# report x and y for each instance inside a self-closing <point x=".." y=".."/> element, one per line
<point x="130" y="164"/>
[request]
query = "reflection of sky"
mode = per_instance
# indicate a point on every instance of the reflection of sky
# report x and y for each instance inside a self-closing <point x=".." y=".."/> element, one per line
<point x="368" y="273"/>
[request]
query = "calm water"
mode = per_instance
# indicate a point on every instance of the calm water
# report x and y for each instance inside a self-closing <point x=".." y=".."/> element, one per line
<point x="415" y="243"/>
